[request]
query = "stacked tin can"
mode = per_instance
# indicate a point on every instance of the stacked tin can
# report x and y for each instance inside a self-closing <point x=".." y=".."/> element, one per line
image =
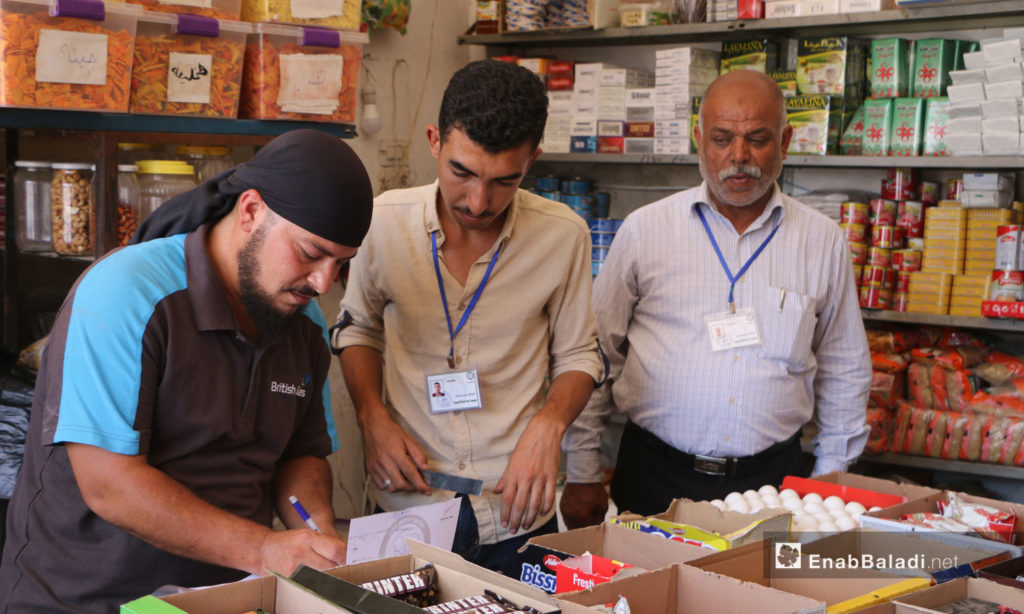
<point x="1007" y="277"/>
<point x="594" y="207"/>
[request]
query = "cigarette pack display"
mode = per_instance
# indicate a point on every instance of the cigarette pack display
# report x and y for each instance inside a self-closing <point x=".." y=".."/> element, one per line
<point x="821" y="7"/>
<point x="936" y="127"/>
<point x="783" y="8"/>
<point x="761" y="55"/>
<point x="809" y="118"/>
<point x="933" y="61"/>
<point x="831" y="65"/>
<point x="877" y="123"/>
<point x="906" y="127"/>
<point x="888" y="68"/>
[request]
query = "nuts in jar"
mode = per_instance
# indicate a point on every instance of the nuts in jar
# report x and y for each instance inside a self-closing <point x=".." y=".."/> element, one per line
<point x="72" y="208"/>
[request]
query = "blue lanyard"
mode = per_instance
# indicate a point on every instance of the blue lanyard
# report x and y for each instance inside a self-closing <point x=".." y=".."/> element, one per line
<point x="444" y="298"/>
<point x="721" y="259"/>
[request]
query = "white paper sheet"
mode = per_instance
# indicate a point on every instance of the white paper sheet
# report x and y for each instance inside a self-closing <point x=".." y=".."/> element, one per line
<point x="383" y="535"/>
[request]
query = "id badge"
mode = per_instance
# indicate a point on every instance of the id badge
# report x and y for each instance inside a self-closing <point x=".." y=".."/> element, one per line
<point x="454" y="391"/>
<point x="733" y="330"/>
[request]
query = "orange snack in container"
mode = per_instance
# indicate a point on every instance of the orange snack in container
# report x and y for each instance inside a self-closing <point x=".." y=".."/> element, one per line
<point x="214" y="9"/>
<point x="335" y="14"/>
<point x="188" y="65"/>
<point x="80" y="57"/>
<point x="308" y="74"/>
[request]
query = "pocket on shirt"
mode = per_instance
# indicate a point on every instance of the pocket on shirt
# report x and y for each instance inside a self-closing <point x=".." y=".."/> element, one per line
<point x="787" y="323"/>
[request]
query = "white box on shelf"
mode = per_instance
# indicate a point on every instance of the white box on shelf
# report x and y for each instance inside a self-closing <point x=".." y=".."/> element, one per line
<point x="692" y="56"/>
<point x="640" y="97"/>
<point x="1000" y="182"/>
<point x="961" y="77"/>
<point x="964" y="144"/>
<point x="588" y="74"/>
<point x="963" y="125"/>
<point x="671" y="146"/>
<point x="1003" y="89"/>
<point x="783" y="8"/>
<point x="672" y="128"/>
<point x="638" y="145"/>
<point x="863" y="6"/>
<point x="1005" y="71"/>
<point x="999" y="51"/>
<point x="974" y="60"/>
<point x="964" y="109"/>
<point x="1001" y="107"/>
<point x="988" y="199"/>
<point x="1000" y="125"/>
<point x="968" y="92"/>
<point x="584" y="127"/>
<point x="821" y="7"/>
<point x="1000" y="144"/>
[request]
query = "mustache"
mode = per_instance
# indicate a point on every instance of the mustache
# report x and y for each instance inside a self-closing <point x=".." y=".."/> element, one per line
<point x="739" y="169"/>
<point x="304" y="291"/>
<point x="466" y="211"/>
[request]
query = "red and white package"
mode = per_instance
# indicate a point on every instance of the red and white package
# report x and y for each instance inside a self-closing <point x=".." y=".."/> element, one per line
<point x="985" y="520"/>
<point x="935" y="522"/>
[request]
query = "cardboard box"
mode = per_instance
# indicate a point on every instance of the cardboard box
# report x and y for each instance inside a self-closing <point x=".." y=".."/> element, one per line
<point x="888" y="519"/>
<point x="702" y="524"/>
<point x="272" y="593"/>
<point x="933" y="60"/>
<point x="907" y="126"/>
<point x="929" y="600"/>
<point x="582" y="572"/>
<point x="687" y="590"/>
<point x="1005" y="572"/>
<point x="537" y="561"/>
<point x="936" y="121"/>
<point x="842" y="592"/>
<point x="877" y="123"/>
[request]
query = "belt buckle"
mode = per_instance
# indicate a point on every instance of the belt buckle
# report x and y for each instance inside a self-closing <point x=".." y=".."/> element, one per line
<point x="709" y="465"/>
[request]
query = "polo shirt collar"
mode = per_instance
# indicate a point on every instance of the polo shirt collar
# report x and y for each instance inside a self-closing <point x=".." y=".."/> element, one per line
<point x="776" y="203"/>
<point x="432" y="222"/>
<point x="209" y="299"/>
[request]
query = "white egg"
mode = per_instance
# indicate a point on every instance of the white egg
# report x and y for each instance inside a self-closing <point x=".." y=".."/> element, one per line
<point x="839" y="513"/>
<point x="719" y="504"/>
<point x="845" y="524"/>
<point x="787" y="493"/>
<point x="806" y="523"/>
<point x="812" y="497"/>
<point x="856" y="516"/>
<point x="766" y="490"/>
<point x="733" y="496"/>
<point x="827" y="527"/>
<point x="740" y="506"/>
<point x="772" y="501"/>
<point x="833" y="502"/>
<point x="793" y="505"/>
<point x="854" y="506"/>
<point x="813" y="508"/>
<point x="823" y="517"/>
<point x="751" y="494"/>
<point x="874" y="508"/>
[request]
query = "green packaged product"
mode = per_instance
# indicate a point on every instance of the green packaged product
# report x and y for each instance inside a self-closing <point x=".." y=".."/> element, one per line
<point x="936" y="118"/>
<point x="877" y="119"/>
<point x="933" y="59"/>
<point x="840" y="113"/>
<point x="888" y="68"/>
<point x="786" y="80"/>
<point x="808" y="116"/>
<point x="833" y="65"/>
<point x="960" y="47"/>
<point x="905" y="129"/>
<point x="757" y="54"/>
<point x="852" y="141"/>
<point x="694" y="121"/>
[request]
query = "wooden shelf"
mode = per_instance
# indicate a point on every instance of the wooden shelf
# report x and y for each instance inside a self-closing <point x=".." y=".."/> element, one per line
<point x="979" y="323"/>
<point x="942" y="16"/>
<point x="934" y="464"/>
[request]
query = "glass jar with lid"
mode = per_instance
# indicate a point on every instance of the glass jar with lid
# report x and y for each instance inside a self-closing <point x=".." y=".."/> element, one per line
<point x="128" y="212"/>
<point x="131" y="153"/>
<point x="208" y="160"/>
<point x="71" y="195"/>
<point x="32" y="203"/>
<point x="159" y="180"/>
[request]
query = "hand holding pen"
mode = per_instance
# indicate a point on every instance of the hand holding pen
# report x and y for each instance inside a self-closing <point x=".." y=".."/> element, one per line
<point x="303" y="514"/>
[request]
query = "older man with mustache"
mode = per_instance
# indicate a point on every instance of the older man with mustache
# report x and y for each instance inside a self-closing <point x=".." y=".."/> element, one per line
<point x="729" y="313"/>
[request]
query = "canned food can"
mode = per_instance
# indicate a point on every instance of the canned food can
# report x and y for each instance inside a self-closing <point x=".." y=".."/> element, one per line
<point x="929" y="193"/>
<point x="903" y="182"/>
<point x="855" y="233"/>
<point x="954" y="188"/>
<point x="578" y="185"/>
<point x="899" y="301"/>
<point x="878" y="277"/>
<point x="598" y="253"/>
<point x="910" y="217"/>
<point x="910" y="259"/>
<point x="854" y="213"/>
<point x="879" y="256"/>
<point x="875" y="298"/>
<point x="858" y="272"/>
<point x="915" y="243"/>
<point x="883" y="211"/>
<point x="886" y="236"/>
<point x="602" y="204"/>
<point x="601" y="239"/>
<point x="547" y="183"/>
<point x="859" y="253"/>
<point x="902" y="281"/>
<point x="1007" y="286"/>
<point x="1008" y="248"/>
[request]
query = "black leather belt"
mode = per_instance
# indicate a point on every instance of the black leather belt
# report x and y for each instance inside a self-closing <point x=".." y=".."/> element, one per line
<point x="713" y="465"/>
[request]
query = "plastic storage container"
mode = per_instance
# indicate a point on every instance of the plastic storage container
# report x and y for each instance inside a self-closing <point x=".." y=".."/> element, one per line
<point x="128" y="212"/>
<point x="32" y="202"/>
<point x="159" y="180"/>
<point x="187" y="65"/>
<point x="278" y="63"/>
<point x="79" y="59"/>
<point x="72" y="204"/>
<point x="130" y="153"/>
<point x="336" y="14"/>
<point x="208" y="160"/>
<point x="214" y="9"/>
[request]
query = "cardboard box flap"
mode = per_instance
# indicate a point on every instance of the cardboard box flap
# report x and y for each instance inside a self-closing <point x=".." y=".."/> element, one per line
<point x="701" y="522"/>
<point x="884" y="595"/>
<point x="941" y="594"/>
<point x="620" y="543"/>
<point x="349" y="596"/>
<point x="273" y="593"/>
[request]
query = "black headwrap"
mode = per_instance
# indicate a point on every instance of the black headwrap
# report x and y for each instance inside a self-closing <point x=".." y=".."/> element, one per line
<point x="308" y="177"/>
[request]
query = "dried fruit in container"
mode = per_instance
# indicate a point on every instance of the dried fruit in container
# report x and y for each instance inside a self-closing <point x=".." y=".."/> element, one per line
<point x="188" y="65"/>
<point x="78" y="58"/>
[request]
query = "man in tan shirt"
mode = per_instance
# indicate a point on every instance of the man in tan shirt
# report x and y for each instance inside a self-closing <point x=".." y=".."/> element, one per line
<point x="484" y="289"/>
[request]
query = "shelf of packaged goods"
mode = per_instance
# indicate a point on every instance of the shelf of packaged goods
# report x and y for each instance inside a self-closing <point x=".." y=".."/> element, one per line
<point x="45" y="119"/>
<point x="900" y="317"/>
<point x="961" y="162"/>
<point x="934" y="464"/>
<point x="925" y="17"/>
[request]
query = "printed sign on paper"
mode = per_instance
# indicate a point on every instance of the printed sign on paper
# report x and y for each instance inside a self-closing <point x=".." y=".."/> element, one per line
<point x="71" y="57"/>
<point x="383" y="535"/>
<point x="317" y="9"/>
<point x="205" y="4"/>
<point x="310" y="83"/>
<point x="189" y="77"/>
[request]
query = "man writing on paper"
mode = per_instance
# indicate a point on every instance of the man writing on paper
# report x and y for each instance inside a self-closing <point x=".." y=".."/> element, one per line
<point x="183" y="394"/>
<point x="730" y="316"/>
<point x="483" y="289"/>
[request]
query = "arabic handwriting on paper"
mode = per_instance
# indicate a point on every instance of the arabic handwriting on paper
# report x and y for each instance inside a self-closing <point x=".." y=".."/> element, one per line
<point x="194" y="72"/>
<point x="74" y="56"/>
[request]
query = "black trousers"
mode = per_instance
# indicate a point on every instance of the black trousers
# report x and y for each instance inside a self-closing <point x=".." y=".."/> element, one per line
<point x="650" y="473"/>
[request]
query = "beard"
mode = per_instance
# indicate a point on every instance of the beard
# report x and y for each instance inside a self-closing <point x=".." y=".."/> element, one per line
<point x="716" y="184"/>
<point x="258" y="303"/>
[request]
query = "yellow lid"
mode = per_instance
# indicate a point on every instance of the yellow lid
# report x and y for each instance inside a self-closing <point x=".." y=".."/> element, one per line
<point x="164" y="167"/>
<point x="203" y="150"/>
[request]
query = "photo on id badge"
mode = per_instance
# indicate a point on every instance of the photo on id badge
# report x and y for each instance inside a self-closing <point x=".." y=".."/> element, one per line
<point x="453" y="391"/>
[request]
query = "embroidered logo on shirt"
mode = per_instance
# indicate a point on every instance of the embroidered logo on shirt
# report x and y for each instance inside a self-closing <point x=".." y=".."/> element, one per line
<point x="292" y="389"/>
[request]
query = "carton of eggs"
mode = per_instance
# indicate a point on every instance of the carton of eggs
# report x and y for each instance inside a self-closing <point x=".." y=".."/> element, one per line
<point x="813" y="514"/>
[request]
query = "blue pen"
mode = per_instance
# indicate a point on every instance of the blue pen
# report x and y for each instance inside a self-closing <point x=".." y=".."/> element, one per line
<point x="303" y="513"/>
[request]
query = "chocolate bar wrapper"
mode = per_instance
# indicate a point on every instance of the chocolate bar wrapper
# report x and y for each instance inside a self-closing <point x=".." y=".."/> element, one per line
<point x="418" y="588"/>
